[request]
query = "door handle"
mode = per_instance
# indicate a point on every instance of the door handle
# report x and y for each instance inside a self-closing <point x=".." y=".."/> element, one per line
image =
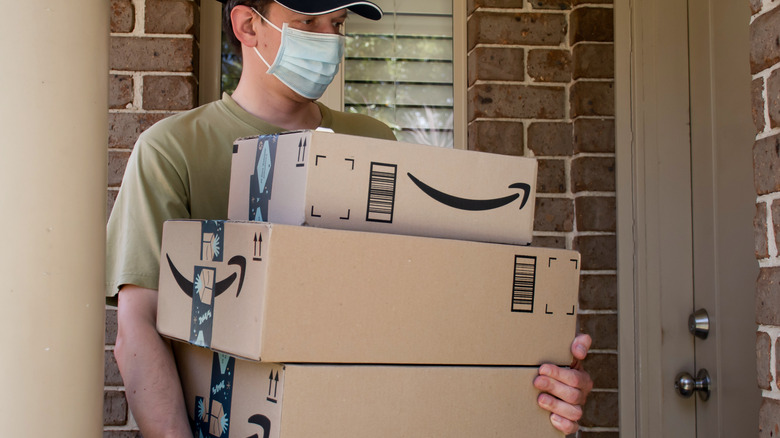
<point x="686" y="385"/>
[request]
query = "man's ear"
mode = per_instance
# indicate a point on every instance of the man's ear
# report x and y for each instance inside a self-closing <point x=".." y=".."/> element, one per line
<point x="242" y="18"/>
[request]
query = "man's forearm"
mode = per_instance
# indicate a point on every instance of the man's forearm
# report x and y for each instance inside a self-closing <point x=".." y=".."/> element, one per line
<point x="148" y="369"/>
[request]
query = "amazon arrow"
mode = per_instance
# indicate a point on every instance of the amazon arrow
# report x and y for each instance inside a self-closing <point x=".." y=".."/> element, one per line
<point x="473" y="204"/>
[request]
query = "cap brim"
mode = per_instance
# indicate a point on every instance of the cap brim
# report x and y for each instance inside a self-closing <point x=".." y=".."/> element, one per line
<point x="319" y="7"/>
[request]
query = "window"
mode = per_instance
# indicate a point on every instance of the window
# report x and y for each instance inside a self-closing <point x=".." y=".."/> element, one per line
<point x="400" y="69"/>
<point x="407" y="69"/>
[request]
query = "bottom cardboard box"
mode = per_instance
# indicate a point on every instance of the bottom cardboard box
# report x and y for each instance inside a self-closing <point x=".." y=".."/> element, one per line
<point x="228" y="397"/>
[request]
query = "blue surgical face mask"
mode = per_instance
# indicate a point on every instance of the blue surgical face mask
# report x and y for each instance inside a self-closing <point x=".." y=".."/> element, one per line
<point x="306" y="62"/>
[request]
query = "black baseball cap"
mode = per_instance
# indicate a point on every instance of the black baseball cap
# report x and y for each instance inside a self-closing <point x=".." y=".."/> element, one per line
<point x="319" y="7"/>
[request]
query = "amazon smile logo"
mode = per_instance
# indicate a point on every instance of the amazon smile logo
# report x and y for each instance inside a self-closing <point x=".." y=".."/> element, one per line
<point x="473" y="204"/>
<point x="220" y="287"/>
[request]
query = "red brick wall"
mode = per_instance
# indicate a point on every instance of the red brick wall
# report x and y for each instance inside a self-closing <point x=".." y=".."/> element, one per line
<point x="153" y="61"/>
<point x="765" y="67"/>
<point x="541" y="84"/>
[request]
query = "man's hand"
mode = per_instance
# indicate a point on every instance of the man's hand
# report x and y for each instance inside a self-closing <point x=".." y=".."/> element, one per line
<point x="564" y="391"/>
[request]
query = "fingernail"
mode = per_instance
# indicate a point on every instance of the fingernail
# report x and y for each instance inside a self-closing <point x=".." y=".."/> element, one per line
<point x="544" y="401"/>
<point x="544" y="370"/>
<point x="582" y="350"/>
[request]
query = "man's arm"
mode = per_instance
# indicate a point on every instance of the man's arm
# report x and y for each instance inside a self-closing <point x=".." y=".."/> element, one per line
<point x="566" y="390"/>
<point x="147" y="366"/>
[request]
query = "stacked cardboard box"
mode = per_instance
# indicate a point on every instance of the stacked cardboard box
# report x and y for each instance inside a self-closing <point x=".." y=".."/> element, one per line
<point x="325" y="331"/>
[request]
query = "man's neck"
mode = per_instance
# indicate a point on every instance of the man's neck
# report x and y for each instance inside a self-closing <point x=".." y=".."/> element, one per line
<point x="275" y="108"/>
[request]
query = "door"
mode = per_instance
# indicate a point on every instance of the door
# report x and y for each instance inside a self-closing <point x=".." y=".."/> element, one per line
<point x="685" y="209"/>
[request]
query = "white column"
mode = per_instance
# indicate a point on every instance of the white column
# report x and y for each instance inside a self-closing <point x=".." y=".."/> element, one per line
<point x="53" y="131"/>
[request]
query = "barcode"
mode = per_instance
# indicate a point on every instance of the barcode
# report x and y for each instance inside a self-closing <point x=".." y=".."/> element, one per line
<point x="381" y="192"/>
<point x="524" y="285"/>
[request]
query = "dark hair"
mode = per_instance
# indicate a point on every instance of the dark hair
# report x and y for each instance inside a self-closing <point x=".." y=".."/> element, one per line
<point x="227" y="24"/>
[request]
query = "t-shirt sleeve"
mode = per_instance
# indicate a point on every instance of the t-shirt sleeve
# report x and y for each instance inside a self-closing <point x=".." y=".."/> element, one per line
<point x="153" y="191"/>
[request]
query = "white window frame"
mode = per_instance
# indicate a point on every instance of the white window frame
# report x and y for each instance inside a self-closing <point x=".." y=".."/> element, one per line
<point x="210" y="65"/>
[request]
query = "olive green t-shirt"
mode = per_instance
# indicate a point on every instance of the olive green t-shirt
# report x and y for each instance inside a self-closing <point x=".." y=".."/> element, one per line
<point x="180" y="169"/>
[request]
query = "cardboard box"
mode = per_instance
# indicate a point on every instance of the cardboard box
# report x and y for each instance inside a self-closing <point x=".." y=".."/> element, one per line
<point x="355" y="183"/>
<point x="281" y="293"/>
<point x="232" y="397"/>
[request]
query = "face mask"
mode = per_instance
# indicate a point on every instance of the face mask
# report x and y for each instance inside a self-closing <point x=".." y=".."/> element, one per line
<point x="306" y="62"/>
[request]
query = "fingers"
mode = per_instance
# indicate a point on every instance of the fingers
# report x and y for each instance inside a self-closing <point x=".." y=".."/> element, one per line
<point x="569" y="385"/>
<point x="580" y="346"/>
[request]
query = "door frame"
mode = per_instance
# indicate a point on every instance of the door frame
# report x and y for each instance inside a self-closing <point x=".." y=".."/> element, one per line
<point x="652" y="118"/>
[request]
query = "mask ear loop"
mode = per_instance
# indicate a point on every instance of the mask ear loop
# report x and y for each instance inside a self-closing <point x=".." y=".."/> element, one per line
<point x="272" y="25"/>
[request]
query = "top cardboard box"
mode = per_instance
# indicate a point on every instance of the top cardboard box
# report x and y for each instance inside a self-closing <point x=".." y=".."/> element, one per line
<point x="354" y="183"/>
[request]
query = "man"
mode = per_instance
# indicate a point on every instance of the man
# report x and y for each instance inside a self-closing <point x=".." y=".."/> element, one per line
<point x="180" y="168"/>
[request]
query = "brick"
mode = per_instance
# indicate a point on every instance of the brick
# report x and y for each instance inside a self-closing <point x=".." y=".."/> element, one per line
<point x="549" y="65"/>
<point x="777" y="361"/>
<point x="152" y="54"/>
<point x="532" y="29"/>
<point x="122" y="16"/>
<point x="560" y="5"/>
<point x="599" y="253"/>
<point x="111" y="370"/>
<point x="757" y="98"/>
<point x="773" y="98"/>
<point x="591" y="24"/>
<point x="496" y="64"/>
<point x="496" y="137"/>
<point x="549" y="241"/>
<point x="550" y="139"/>
<point x="596" y="213"/>
<point x="590" y="98"/>
<point x="595" y="174"/>
<point x="598" y="292"/>
<point x="766" y="164"/>
<point x="114" y="408"/>
<point x="769" y="418"/>
<point x="594" y="135"/>
<point x="124" y="128"/>
<point x="603" y="369"/>
<point x="170" y="16"/>
<point x="554" y="214"/>
<point x="765" y="41"/>
<point x="776" y="222"/>
<point x="763" y="357"/>
<point x="593" y="61"/>
<point x="760" y="231"/>
<point x="598" y="434"/>
<point x="768" y="296"/>
<point x="601" y="410"/>
<point x="120" y="92"/>
<point x="551" y="176"/>
<point x="111" y="325"/>
<point x="476" y="4"/>
<point x="122" y="434"/>
<point x="516" y="101"/>
<point x="588" y="2"/>
<point x="602" y="328"/>
<point x="170" y="92"/>
<point x="117" y="163"/>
